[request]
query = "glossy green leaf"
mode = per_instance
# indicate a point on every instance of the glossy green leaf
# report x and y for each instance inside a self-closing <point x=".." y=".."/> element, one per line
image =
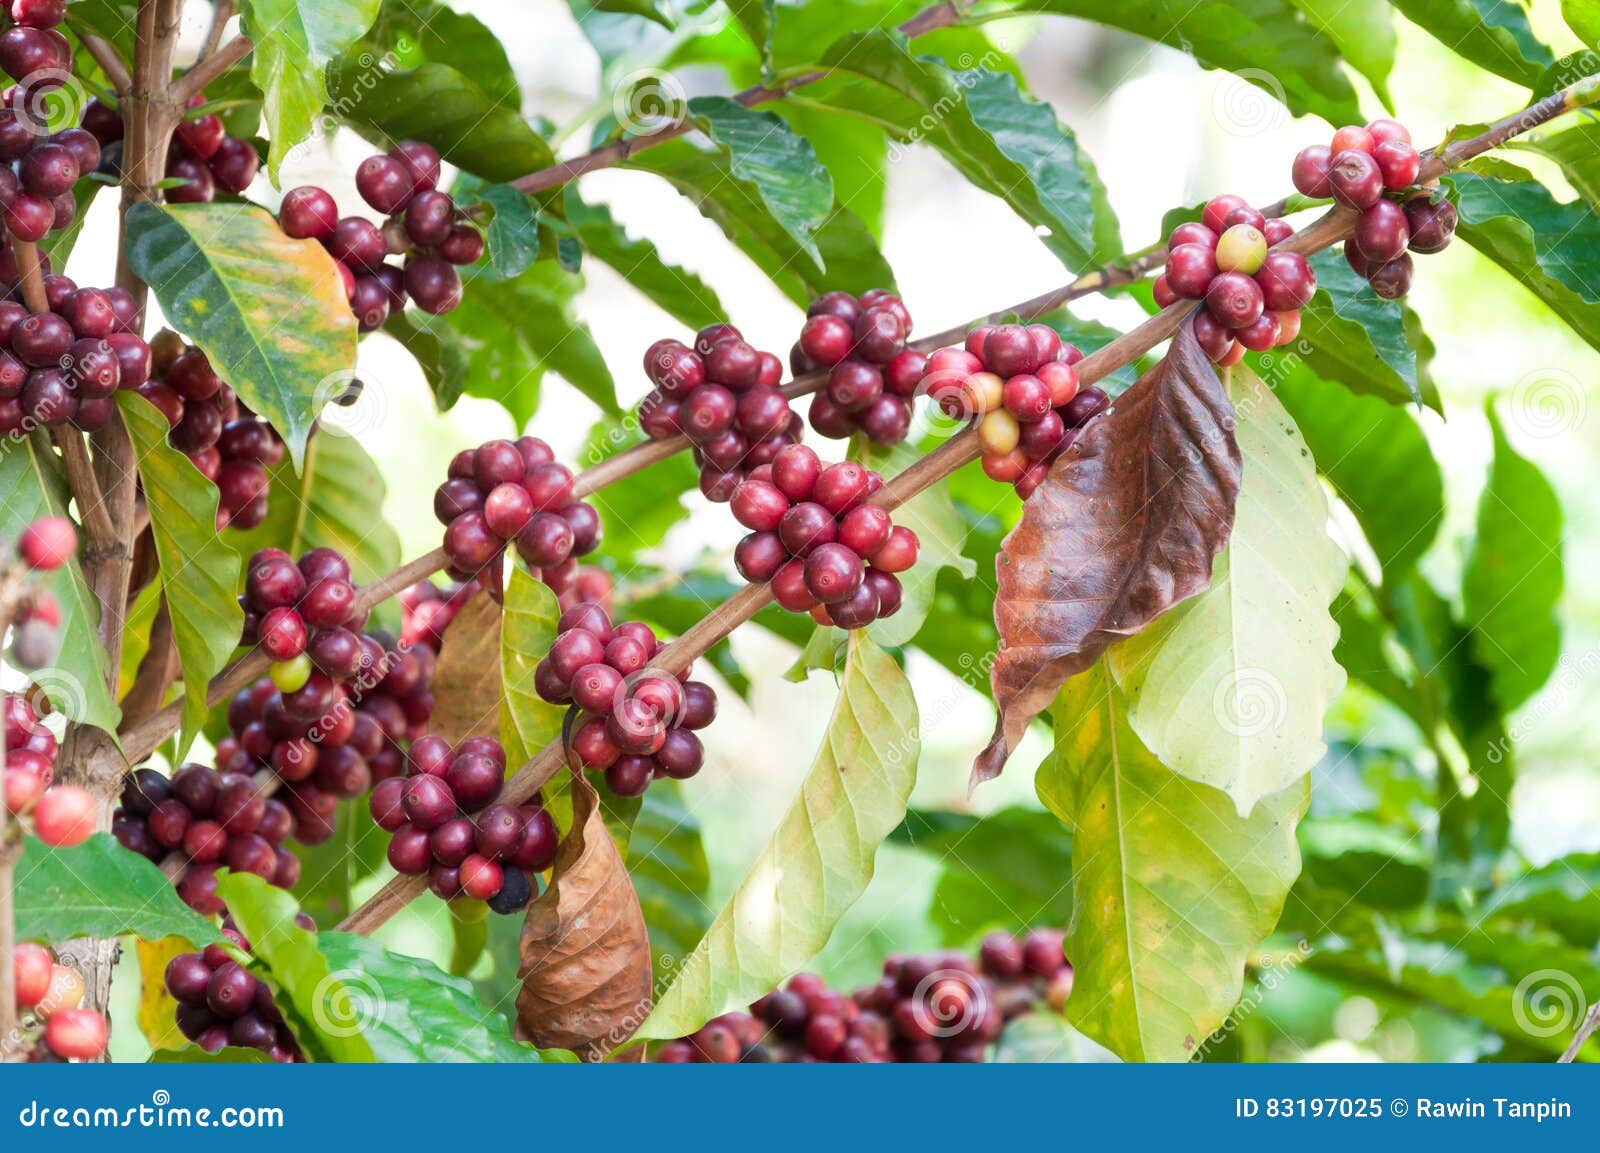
<point x="1563" y="895"/>
<point x="99" y="889"/>
<point x="332" y="502"/>
<point x="1351" y="335"/>
<point x="1364" y="32"/>
<point x="1172" y="891"/>
<point x="1259" y="40"/>
<point x="1576" y="149"/>
<point x="1547" y="247"/>
<point x="446" y="364"/>
<point x="819" y="858"/>
<point x="1377" y="459"/>
<point x="513" y="230"/>
<point x="667" y="860"/>
<point x="780" y="167"/>
<point x="850" y="259"/>
<point x="509" y="333"/>
<point x="527" y="629"/>
<point x="31" y="487"/>
<point x="940" y="531"/>
<point x="433" y="31"/>
<point x="293" y="42"/>
<point x="677" y="291"/>
<point x="112" y="20"/>
<point x="440" y="104"/>
<point x="980" y="121"/>
<point x="1367" y="860"/>
<point x="1230" y="687"/>
<point x="1511" y="588"/>
<point x="1493" y="34"/>
<point x="199" y="574"/>
<point x="331" y="1009"/>
<point x="1008" y="870"/>
<point x="267" y="310"/>
<point x="854" y="151"/>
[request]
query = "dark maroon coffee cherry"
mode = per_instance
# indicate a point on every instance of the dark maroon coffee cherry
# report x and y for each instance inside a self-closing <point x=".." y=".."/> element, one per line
<point x="1286" y="281"/>
<point x="733" y="364"/>
<point x="865" y="529"/>
<point x="308" y="212"/>
<point x="795" y="470"/>
<point x="635" y="728"/>
<point x="410" y="852"/>
<point x="133" y="358"/>
<point x="886" y="420"/>
<point x="464" y="245"/>
<point x="453" y="841"/>
<point x="328" y="603"/>
<point x="841" y="487"/>
<point x="231" y="990"/>
<point x="384" y="183"/>
<point x="758" y="505"/>
<point x="827" y="339"/>
<point x="428" y="802"/>
<point x="833" y="572"/>
<point x="429" y="217"/>
<point x="92" y="369"/>
<point x="856" y="611"/>
<point x="421" y="160"/>
<point x="805" y="526"/>
<point x="234" y="165"/>
<point x="370" y="303"/>
<point x="1191" y="269"/>
<point x="879" y="334"/>
<point x="886" y="587"/>
<point x="1392" y="280"/>
<point x="42" y="339"/>
<point x="853" y="385"/>
<point x="828" y="418"/>
<point x="48" y="399"/>
<point x="1381" y="232"/>
<point x="681" y="754"/>
<point x="546" y="541"/>
<point x="1310" y="171"/>
<point x="1355" y="179"/>
<point x="699" y="705"/>
<point x="758" y="556"/>
<point x="1088" y="404"/>
<point x="497" y="831"/>
<point x="358" y="243"/>
<point x="29" y="217"/>
<point x="26" y="51"/>
<point x="187" y="976"/>
<point x="507" y="509"/>
<point x="762" y="412"/>
<point x="584" y="522"/>
<point x="1008" y="350"/>
<point x="1399" y="163"/>
<point x="48" y="170"/>
<point x="1234" y="299"/>
<point x="1432" y="224"/>
<point x="433" y="283"/>
<point x="192" y="376"/>
<point x="197" y="185"/>
<point x="470" y="544"/>
<point x="630" y="776"/>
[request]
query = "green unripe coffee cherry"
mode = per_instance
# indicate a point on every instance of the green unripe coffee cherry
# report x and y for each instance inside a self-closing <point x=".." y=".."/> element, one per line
<point x="291" y="675"/>
<point x="1241" y="249"/>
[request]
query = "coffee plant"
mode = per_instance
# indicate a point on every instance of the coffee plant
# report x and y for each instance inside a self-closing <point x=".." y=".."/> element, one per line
<point x="517" y="794"/>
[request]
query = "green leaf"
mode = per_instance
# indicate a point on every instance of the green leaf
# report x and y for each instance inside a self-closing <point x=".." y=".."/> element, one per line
<point x="1548" y="247"/>
<point x="1381" y="866"/>
<point x="1511" y="588"/>
<point x="1259" y="40"/>
<point x="780" y="167"/>
<point x="850" y="259"/>
<point x="293" y="43"/>
<point x="77" y="683"/>
<point x="445" y="363"/>
<point x="199" y="573"/>
<point x="410" y="1010"/>
<point x="939" y="529"/>
<point x="194" y="1055"/>
<point x="1583" y="17"/>
<point x="854" y="151"/>
<point x="1172" y="891"/>
<point x="677" y="291"/>
<point x="332" y="503"/>
<point x="1493" y="34"/>
<point x="1377" y="459"/>
<point x="667" y="860"/>
<point x="513" y="231"/>
<point x="333" y="1007"/>
<point x="99" y="889"/>
<point x="1009" y="870"/>
<point x="444" y="36"/>
<point x="820" y="857"/>
<point x="1002" y="142"/>
<point x="441" y="105"/>
<point x="509" y="333"/>
<point x="266" y="309"/>
<point x="1363" y="30"/>
<point x="1576" y="150"/>
<point x="1563" y="895"/>
<point x="1230" y="687"/>
<point x="639" y="510"/>
<point x="527" y="629"/>
<point x="113" y="20"/>
<point x="1355" y="337"/>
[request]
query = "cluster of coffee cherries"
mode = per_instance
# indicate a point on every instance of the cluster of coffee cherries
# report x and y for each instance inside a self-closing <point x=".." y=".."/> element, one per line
<point x="202" y="158"/>
<point x="723" y="395"/>
<point x="303" y="615"/>
<point x="637" y="723"/>
<point x="944" y="1007"/>
<point x="423" y="225"/>
<point x="222" y="1003"/>
<point x="1252" y="296"/>
<point x="43" y="546"/>
<point x="61" y="366"/>
<point x="207" y="422"/>
<point x="40" y="167"/>
<point x="427" y="610"/>
<point x="814" y="536"/>
<point x="872" y="376"/>
<point x="1019" y="384"/>
<point x="513" y="491"/>
<point x="200" y="820"/>
<point x="49" y="997"/>
<point x="446" y="825"/>
<point x="1363" y="168"/>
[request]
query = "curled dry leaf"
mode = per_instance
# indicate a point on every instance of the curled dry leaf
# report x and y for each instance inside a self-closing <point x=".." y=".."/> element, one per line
<point x="466" y="684"/>
<point x="1125" y="527"/>
<point x="586" y="983"/>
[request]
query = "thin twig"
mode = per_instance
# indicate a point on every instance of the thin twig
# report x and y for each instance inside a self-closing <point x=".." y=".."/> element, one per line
<point x="110" y="62"/>
<point x="221" y="13"/>
<point x="1586" y="1029"/>
<point x="158" y="669"/>
<point x="85" y="486"/>
<point x="207" y="69"/>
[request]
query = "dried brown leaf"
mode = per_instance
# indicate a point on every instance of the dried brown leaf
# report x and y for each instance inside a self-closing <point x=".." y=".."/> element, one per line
<point x="466" y="683"/>
<point x="586" y="982"/>
<point x="1125" y="527"/>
